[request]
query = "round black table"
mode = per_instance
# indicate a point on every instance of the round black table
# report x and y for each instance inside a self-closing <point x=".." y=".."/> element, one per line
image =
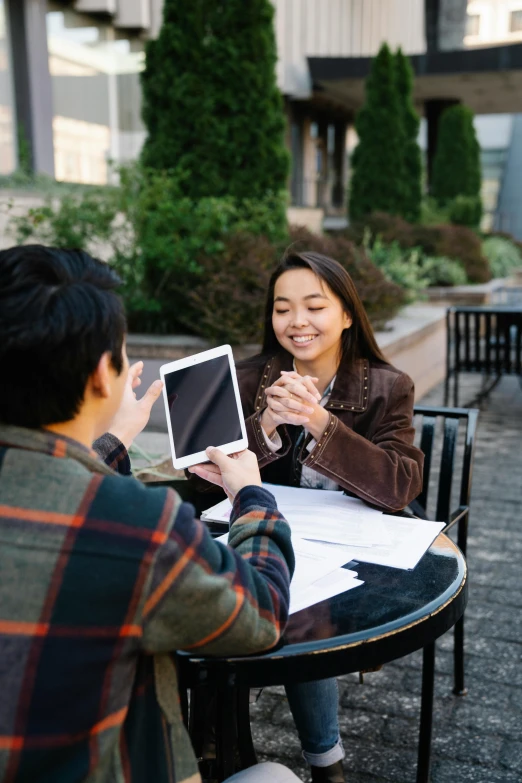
<point x="393" y="614"/>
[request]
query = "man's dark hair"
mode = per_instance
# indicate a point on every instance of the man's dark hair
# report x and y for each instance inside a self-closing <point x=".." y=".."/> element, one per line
<point x="59" y="313"/>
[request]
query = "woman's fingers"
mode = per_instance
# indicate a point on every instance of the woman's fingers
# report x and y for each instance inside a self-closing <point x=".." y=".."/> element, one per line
<point x="308" y="381"/>
<point x="280" y="404"/>
<point x="289" y="418"/>
<point x="292" y="390"/>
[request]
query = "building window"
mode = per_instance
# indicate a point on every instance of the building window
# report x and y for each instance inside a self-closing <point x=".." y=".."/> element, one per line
<point x="473" y="25"/>
<point x="515" y="21"/>
<point x="96" y="96"/>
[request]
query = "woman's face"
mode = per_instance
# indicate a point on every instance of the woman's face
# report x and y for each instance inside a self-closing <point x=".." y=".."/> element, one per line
<point x="308" y="318"/>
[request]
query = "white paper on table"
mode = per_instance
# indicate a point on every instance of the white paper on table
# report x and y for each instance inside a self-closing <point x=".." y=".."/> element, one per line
<point x="317" y="514"/>
<point x="337" y="582"/>
<point x="312" y="561"/>
<point x="410" y="539"/>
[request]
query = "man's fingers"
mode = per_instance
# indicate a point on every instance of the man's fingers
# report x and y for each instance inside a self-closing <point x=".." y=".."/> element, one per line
<point x="217" y="457"/>
<point x="209" y="475"/>
<point x="152" y="394"/>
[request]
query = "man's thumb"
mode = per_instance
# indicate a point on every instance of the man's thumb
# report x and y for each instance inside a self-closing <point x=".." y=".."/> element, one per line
<point x="217" y="457"/>
<point x="152" y="393"/>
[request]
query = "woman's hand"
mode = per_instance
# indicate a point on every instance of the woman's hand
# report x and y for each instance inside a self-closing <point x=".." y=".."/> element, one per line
<point x="294" y="399"/>
<point x="231" y="473"/>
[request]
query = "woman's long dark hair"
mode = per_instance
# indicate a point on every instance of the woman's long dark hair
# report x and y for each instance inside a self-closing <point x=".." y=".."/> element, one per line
<point x="357" y="342"/>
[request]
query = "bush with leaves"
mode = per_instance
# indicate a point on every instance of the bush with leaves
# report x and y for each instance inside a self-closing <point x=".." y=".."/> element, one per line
<point x="211" y="103"/>
<point x="402" y="267"/>
<point x="412" y="158"/>
<point x="442" y="271"/>
<point x="465" y="211"/>
<point x="456" y="242"/>
<point x="503" y="255"/>
<point x="456" y="165"/>
<point x="378" y="177"/>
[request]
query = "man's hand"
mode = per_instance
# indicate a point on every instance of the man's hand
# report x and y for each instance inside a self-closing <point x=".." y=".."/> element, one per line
<point x="231" y="473"/>
<point x="133" y="415"/>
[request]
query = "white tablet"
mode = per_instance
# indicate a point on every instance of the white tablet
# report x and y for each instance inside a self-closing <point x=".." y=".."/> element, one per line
<point x="203" y="406"/>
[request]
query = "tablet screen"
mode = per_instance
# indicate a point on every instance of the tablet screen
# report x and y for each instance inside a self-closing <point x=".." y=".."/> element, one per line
<point x="202" y="406"/>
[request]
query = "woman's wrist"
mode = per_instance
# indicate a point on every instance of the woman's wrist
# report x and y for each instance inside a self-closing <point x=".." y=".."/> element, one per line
<point x="318" y="422"/>
<point x="267" y="423"/>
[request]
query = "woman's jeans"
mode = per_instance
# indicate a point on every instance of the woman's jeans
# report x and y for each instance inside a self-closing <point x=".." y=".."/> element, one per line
<point x="314" y="709"/>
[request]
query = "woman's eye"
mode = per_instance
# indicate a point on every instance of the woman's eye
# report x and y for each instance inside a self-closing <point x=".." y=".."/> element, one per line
<point x="281" y="312"/>
<point x="315" y="309"/>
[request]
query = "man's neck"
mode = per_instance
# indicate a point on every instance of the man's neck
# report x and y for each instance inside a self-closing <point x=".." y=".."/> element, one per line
<point x="79" y="430"/>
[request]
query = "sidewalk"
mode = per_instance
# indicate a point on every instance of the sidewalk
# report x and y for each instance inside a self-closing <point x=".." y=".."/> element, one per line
<point x="476" y="738"/>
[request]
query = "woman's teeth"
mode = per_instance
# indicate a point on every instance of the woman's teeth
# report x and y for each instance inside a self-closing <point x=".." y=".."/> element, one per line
<point x="305" y="339"/>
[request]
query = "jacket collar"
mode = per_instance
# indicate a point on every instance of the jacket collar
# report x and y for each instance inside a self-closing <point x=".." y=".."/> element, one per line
<point x="54" y="445"/>
<point x="351" y="389"/>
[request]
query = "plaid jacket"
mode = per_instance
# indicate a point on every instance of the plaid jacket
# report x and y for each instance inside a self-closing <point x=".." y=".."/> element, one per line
<point x="101" y="579"/>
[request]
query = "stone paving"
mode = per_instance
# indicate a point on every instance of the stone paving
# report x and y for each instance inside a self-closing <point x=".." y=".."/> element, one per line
<point x="478" y="737"/>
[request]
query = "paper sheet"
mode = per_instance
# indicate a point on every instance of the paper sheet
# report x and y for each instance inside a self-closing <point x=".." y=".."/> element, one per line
<point x="322" y="515"/>
<point x="312" y="560"/>
<point x="337" y="582"/>
<point x="409" y="540"/>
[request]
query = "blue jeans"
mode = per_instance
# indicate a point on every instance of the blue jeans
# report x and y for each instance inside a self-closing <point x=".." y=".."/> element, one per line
<point x="314" y="709"/>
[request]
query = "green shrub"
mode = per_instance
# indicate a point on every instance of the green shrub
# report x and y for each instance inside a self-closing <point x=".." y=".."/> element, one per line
<point x="456" y="242"/>
<point x="466" y="211"/>
<point x="211" y="103"/>
<point x="432" y="214"/>
<point x="503" y="255"/>
<point x="402" y="267"/>
<point x="378" y="177"/>
<point x="443" y="271"/>
<point x="412" y="158"/>
<point x="456" y="165"/>
<point x="225" y="303"/>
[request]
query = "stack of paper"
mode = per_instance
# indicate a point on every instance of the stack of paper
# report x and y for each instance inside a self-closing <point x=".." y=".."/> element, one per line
<point x="347" y="526"/>
<point x="317" y="574"/>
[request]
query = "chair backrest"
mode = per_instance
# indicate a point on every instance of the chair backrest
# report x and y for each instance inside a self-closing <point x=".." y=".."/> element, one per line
<point x="450" y="419"/>
<point x="485" y="339"/>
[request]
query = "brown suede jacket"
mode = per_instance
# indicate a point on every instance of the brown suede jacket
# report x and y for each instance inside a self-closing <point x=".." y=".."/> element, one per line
<point x="367" y="446"/>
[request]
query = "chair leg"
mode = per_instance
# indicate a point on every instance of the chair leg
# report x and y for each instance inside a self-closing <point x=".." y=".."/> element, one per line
<point x="226" y="733"/>
<point x="459" y="688"/>
<point x="247" y="753"/>
<point x="446" y="388"/>
<point x="456" y="390"/>
<point x="426" y="718"/>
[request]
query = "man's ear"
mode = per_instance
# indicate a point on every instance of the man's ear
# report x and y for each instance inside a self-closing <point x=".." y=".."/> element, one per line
<point x="100" y="379"/>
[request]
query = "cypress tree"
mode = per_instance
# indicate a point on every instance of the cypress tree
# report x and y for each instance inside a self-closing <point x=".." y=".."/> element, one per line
<point x="210" y="99"/>
<point x="411" y="206"/>
<point x="378" y="181"/>
<point x="456" y="165"/>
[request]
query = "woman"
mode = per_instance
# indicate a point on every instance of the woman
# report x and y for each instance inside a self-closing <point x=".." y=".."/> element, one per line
<point x="324" y="409"/>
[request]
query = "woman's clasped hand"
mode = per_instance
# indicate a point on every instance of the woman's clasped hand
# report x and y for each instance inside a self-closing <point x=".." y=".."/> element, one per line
<point x="294" y="399"/>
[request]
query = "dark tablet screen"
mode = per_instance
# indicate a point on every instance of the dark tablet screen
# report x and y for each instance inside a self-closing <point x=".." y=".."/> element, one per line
<point x="202" y="406"/>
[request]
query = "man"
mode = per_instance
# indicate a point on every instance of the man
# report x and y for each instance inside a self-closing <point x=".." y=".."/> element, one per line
<point x="101" y="578"/>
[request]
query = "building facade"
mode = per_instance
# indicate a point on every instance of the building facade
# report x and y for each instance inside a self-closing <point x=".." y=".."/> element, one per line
<point x="70" y="90"/>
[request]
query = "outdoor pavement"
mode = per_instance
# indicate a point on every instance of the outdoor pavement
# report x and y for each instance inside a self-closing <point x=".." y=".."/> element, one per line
<point x="478" y="737"/>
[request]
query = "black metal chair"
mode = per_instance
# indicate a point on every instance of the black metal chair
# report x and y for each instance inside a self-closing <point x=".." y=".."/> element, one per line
<point x="450" y="419"/>
<point x="483" y="340"/>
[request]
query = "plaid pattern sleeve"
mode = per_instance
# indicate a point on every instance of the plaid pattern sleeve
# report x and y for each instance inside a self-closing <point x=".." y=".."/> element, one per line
<point x="217" y="599"/>
<point x="113" y="453"/>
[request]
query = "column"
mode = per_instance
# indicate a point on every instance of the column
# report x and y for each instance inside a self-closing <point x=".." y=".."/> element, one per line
<point x="33" y="90"/>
